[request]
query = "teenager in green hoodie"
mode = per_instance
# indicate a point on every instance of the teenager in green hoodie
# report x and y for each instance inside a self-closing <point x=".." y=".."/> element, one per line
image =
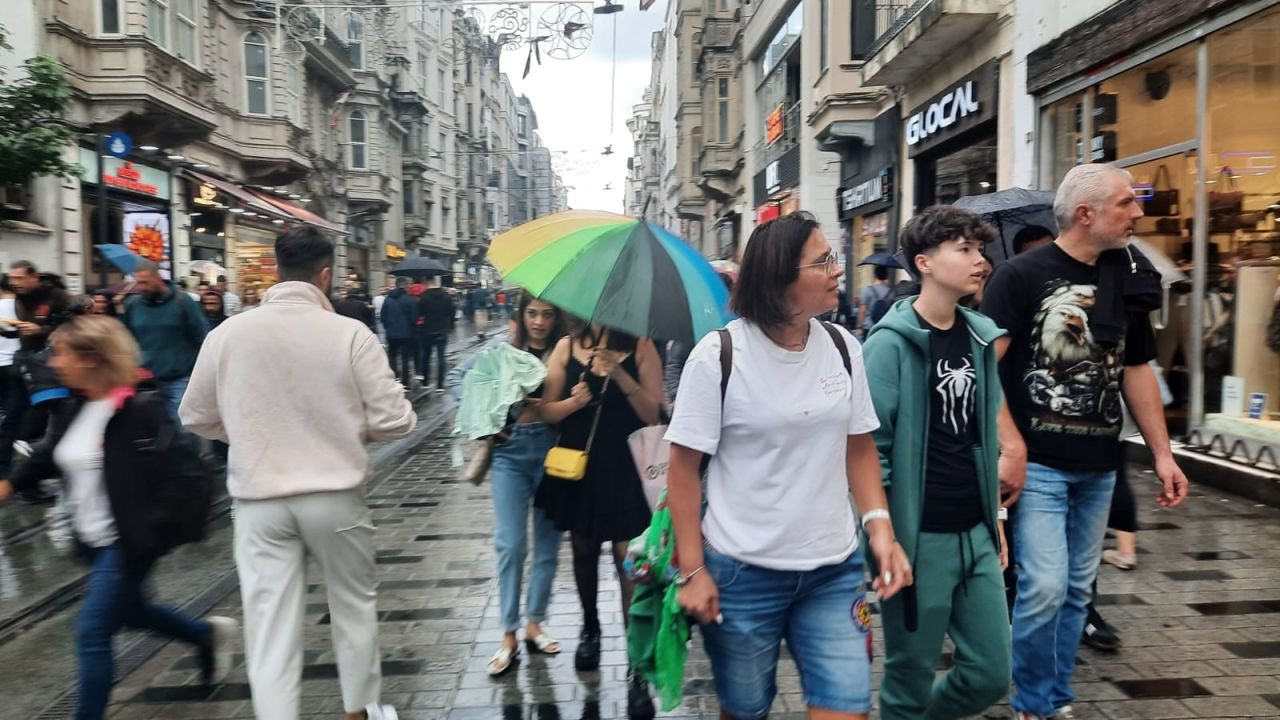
<point x="932" y="370"/>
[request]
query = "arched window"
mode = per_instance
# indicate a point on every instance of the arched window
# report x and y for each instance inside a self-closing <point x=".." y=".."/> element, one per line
<point x="359" y="143"/>
<point x="355" y="41"/>
<point x="256" y="69"/>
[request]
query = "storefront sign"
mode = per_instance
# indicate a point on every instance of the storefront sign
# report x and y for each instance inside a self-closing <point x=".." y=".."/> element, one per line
<point x="395" y="252"/>
<point x="1102" y="148"/>
<point x="119" y="144"/>
<point x="124" y="175"/>
<point x="767" y="212"/>
<point x="206" y="194"/>
<point x="774" y="125"/>
<point x="969" y="102"/>
<point x="865" y="193"/>
<point x="771" y="183"/>
<point x="147" y="234"/>
<point x="781" y="174"/>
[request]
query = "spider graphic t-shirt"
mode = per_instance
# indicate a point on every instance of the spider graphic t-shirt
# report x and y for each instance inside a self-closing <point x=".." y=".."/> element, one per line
<point x="951" y="500"/>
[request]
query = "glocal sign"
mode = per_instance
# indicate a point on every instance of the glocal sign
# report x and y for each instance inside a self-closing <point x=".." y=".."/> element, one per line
<point x="970" y="101"/>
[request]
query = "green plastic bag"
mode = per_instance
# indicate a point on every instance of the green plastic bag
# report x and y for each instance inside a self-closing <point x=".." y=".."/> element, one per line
<point x="658" y="632"/>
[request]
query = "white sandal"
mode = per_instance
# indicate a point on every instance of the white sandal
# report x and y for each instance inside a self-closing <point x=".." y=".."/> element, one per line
<point x="544" y="644"/>
<point x="503" y="660"/>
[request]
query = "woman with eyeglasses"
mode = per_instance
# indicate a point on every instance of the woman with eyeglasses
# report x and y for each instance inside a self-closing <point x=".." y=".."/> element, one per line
<point x="775" y="556"/>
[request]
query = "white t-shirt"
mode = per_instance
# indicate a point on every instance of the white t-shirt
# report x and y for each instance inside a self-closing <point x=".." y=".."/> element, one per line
<point x="777" y="490"/>
<point x="8" y="346"/>
<point x="79" y="456"/>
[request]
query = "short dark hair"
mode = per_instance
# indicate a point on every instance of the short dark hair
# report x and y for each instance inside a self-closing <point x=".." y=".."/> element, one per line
<point x="938" y="224"/>
<point x="402" y="282"/>
<point x="302" y="253"/>
<point x="1028" y="235"/>
<point x="24" y="265"/>
<point x="881" y="272"/>
<point x="771" y="263"/>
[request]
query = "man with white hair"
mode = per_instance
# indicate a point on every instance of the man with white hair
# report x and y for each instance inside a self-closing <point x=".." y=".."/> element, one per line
<point x="1071" y="353"/>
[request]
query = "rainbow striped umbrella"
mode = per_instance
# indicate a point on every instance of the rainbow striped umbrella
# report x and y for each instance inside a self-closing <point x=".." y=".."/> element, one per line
<point x="617" y="271"/>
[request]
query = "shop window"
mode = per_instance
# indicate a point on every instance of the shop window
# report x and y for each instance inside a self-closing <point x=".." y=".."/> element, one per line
<point x="109" y="17"/>
<point x="256" y="68"/>
<point x="1146" y="108"/>
<point x="358" y="141"/>
<point x="355" y="41"/>
<point x="1062" y="132"/>
<point x="1242" y="138"/>
<point x="185" y="22"/>
<point x="158" y="22"/>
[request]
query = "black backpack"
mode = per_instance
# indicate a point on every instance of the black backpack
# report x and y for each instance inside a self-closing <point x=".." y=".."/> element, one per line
<point x="880" y="307"/>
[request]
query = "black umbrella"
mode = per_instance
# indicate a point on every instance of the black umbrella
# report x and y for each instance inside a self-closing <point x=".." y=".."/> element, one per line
<point x="1010" y="211"/>
<point x="415" y="266"/>
<point x="881" y="260"/>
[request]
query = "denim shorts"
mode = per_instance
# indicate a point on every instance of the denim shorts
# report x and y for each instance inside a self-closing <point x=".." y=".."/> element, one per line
<point x="822" y="614"/>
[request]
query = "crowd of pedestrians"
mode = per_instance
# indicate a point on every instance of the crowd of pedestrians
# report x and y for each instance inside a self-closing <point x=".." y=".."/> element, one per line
<point x="969" y="443"/>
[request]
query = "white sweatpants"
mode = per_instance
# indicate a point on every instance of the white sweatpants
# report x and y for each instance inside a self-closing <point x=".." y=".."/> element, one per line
<point x="272" y="541"/>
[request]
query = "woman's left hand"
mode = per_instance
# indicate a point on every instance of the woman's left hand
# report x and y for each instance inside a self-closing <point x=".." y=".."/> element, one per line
<point x="895" y="570"/>
<point x="608" y="362"/>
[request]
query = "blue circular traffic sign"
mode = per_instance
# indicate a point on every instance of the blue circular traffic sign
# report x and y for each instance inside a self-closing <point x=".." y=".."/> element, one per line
<point x="119" y="144"/>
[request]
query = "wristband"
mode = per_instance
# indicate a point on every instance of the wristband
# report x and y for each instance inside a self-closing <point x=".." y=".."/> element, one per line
<point x="876" y="514"/>
<point x="684" y="579"/>
<point x="1002" y="513"/>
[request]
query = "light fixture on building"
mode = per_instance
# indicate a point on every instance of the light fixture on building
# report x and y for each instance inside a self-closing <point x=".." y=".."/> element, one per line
<point x="202" y="230"/>
<point x="306" y="200"/>
<point x="200" y="165"/>
<point x="222" y="234"/>
<point x="294" y="196"/>
<point x="608" y="8"/>
<point x="277" y="221"/>
<point x="984" y="184"/>
<point x="237" y="211"/>
<point x="148" y="148"/>
<point x="177" y="157"/>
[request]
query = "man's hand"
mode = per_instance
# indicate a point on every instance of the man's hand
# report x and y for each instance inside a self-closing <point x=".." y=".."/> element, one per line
<point x="1174" y="481"/>
<point x="27" y="329"/>
<point x="6" y="490"/>
<point x="1012" y="470"/>
<point x="700" y="598"/>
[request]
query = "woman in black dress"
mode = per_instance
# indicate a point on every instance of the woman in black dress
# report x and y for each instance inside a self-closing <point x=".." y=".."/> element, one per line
<point x="620" y="377"/>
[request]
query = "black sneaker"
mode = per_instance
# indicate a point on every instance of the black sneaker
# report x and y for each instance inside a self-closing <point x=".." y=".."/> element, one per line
<point x="639" y="704"/>
<point x="1098" y="634"/>
<point x="587" y="656"/>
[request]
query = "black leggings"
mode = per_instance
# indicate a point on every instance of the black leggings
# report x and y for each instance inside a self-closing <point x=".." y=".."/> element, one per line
<point x="586" y="574"/>
<point x="1124" y="513"/>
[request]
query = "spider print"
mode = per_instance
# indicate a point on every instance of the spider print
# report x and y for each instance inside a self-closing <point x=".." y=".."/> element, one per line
<point x="955" y="385"/>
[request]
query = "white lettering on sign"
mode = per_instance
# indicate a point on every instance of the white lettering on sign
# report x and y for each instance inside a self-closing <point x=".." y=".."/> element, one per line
<point x="771" y="182"/>
<point x="942" y="114"/>
<point x="863" y="193"/>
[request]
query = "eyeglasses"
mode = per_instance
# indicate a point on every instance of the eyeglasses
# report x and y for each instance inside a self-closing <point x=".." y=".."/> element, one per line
<point x="830" y="265"/>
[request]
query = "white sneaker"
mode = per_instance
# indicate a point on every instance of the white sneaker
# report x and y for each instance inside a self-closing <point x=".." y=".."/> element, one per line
<point x="1124" y="561"/>
<point x="223" y="631"/>
<point x="22" y="447"/>
<point x="1063" y="713"/>
<point x="381" y="712"/>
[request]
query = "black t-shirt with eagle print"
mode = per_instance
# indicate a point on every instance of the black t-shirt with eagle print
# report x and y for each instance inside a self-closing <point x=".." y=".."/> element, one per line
<point x="1062" y="386"/>
<point x="952" y="503"/>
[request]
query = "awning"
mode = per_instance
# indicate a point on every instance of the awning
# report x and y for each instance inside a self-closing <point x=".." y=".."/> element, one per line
<point x="299" y="213"/>
<point x="242" y="195"/>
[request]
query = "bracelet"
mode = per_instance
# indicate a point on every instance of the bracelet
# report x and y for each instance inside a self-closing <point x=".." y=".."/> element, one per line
<point x="684" y="579"/>
<point x="876" y="514"/>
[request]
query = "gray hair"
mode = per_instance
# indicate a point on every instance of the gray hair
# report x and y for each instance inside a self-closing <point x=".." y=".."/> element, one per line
<point x="145" y="265"/>
<point x="1084" y="185"/>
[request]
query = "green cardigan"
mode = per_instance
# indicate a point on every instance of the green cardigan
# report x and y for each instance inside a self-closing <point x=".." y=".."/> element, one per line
<point x="898" y="359"/>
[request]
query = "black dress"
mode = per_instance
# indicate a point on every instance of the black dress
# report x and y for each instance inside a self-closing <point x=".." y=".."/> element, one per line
<point x="608" y="504"/>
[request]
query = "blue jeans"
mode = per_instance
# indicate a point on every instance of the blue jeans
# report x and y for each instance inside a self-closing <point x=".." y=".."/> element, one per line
<point x="114" y="600"/>
<point x="173" y="390"/>
<point x="822" y="614"/>
<point x="13" y="403"/>
<point x="517" y="469"/>
<point x="1062" y="518"/>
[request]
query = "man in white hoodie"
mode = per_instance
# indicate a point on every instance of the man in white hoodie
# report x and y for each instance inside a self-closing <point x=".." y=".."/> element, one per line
<point x="296" y="390"/>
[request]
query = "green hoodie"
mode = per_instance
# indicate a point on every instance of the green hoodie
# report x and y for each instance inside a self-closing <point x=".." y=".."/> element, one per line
<point x="897" y="359"/>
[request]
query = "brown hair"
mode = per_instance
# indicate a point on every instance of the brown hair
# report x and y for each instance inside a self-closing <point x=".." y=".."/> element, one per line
<point x="107" y="339"/>
<point x="522" y="335"/>
<point x="769" y="265"/>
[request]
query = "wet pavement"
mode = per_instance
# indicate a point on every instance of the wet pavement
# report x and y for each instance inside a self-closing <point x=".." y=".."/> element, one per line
<point x="40" y="581"/>
<point x="1200" y="618"/>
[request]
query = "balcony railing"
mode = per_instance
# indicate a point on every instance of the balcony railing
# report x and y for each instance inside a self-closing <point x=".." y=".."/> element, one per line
<point x="789" y="138"/>
<point x="892" y="16"/>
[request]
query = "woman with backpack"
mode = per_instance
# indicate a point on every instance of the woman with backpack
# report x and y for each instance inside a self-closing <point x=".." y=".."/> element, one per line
<point x="134" y="488"/>
<point x="784" y="413"/>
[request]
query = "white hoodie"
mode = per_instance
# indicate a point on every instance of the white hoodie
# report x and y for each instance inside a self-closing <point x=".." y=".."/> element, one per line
<point x="296" y="390"/>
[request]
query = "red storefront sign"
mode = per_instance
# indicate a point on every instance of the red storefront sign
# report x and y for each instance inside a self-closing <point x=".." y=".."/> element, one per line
<point x="128" y="178"/>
